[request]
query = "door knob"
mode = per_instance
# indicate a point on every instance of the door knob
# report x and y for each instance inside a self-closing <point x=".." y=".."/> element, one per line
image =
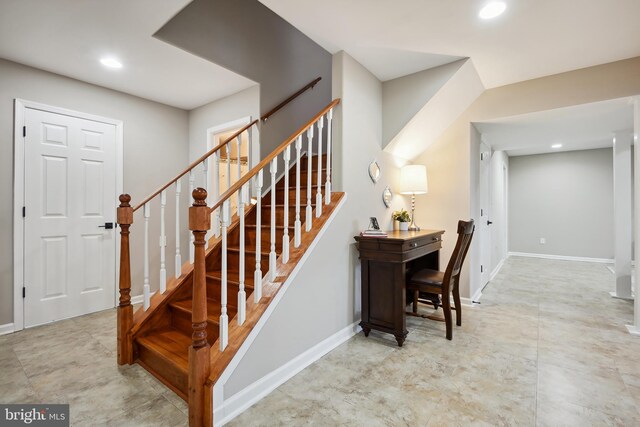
<point x="489" y="222"/>
<point x="107" y="226"/>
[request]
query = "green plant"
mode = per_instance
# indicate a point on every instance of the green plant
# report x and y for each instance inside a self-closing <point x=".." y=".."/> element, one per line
<point x="401" y="215"/>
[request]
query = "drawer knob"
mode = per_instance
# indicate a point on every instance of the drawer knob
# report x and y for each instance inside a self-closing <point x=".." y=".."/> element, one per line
<point x="413" y="245"/>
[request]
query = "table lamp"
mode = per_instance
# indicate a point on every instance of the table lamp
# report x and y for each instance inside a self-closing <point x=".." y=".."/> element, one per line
<point x="413" y="180"/>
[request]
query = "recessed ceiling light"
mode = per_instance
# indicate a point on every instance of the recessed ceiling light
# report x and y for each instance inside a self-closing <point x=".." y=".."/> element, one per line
<point x="493" y="9"/>
<point x="556" y="146"/>
<point x="111" y="63"/>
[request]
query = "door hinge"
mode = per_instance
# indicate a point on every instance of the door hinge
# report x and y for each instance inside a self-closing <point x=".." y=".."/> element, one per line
<point x="24" y="131"/>
<point x="24" y="212"/>
<point x="24" y="292"/>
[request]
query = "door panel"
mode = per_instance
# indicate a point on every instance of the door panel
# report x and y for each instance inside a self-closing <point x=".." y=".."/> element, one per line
<point x="70" y="190"/>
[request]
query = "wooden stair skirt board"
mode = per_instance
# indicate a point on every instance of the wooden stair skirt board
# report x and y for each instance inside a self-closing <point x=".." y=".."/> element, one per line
<point x="161" y="336"/>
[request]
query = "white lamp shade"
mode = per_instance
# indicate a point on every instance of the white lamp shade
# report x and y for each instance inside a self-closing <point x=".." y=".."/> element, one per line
<point x="413" y="179"/>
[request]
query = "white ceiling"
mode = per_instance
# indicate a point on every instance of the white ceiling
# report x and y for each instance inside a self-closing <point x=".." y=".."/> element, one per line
<point x="69" y="37"/>
<point x="581" y="127"/>
<point x="533" y="38"/>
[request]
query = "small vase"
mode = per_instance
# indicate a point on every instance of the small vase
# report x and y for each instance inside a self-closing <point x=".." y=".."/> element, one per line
<point x="396" y="225"/>
<point x="404" y="226"/>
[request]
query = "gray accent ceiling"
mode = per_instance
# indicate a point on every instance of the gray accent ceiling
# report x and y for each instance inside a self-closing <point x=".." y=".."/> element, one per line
<point x="249" y="39"/>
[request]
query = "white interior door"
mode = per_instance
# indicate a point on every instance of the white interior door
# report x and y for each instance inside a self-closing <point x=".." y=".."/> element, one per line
<point x="70" y="193"/>
<point x="482" y="228"/>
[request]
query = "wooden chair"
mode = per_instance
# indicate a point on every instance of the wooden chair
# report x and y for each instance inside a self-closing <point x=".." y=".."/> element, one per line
<point x="447" y="282"/>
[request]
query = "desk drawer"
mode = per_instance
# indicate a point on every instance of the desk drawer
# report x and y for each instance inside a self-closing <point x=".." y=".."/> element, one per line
<point x="417" y="243"/>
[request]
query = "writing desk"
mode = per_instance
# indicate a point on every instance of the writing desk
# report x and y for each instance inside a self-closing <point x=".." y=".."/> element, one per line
<point x="386" y="262"/>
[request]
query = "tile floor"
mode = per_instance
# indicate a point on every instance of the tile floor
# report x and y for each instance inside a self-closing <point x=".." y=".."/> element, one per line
<point x="546" y="347"/>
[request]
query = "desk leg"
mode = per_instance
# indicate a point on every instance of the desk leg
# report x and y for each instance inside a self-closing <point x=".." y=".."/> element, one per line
<point x="365" y="329"/>
<point x="400" y="339"/>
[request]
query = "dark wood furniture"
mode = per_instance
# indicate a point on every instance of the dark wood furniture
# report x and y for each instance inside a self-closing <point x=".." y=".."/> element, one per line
<point x="386" y="263"/>
<point x="432" y="281"/>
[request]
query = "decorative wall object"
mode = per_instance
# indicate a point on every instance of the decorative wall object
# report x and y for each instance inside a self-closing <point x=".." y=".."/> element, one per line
<point x="387" y="195"/>
<point x="374" y="171"/>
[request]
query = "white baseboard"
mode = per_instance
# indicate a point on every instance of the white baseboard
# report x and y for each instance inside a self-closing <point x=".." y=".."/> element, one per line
<point x="562" y="257"/>
<point x="242" y="400"/>
<point x="615" y="295"/>
<point x="468" y="302"/>
<point x="633" y="330"/>
<point x="496" y="270"/>
<point x="7" y="328"/>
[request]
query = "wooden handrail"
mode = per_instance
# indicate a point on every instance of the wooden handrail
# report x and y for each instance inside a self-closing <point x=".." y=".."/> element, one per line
<point x="264" y="162"/>
<point x="194" y="164"/>
<point x="222" y="144"/>
<point x="291" y="98"/>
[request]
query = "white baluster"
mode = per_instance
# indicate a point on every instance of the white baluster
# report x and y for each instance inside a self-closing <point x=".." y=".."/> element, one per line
<point x="216" y="193"/>
<point x="257" y="276"/>
<point x="178" y="254"/>
<point x="146" y="287"/>
<point x="272" y="252"/>
<point x="205" y="174"/>
<point x="242" y="296"/>
<point x="163" y="244"/>
<point x="239" y="145"/>
<point x="319" y="182"/>
<point x="228" y="150"/>
<point x="192" y="182"/>
<point x="309" y="210"/>
<point x="285" y="235"/>
<point x="327" y="187"/>
<point x="297" y="224"/>
<point x="224" y="318"/>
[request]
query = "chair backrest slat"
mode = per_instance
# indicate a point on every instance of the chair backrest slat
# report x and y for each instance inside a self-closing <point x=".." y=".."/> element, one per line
<point x="452" y="273"/>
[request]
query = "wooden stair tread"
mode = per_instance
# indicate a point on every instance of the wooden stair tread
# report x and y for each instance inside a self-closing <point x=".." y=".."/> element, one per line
<point x="213" y="309"/>
<point x="171" y="343"/>
<point x="278" y="227"/>
<point x="247" y="251"/>
<point x="233" y="277"/>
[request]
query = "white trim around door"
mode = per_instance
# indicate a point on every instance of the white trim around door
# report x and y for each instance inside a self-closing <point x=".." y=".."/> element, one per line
<point x="20" y="107"/>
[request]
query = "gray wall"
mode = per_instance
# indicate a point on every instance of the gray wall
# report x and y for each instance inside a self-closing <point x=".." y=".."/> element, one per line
<point x="325" y="296"/>
<point x="155" y="148"/>
<point x="566" y="198"/>
<point x="249" y="39"/>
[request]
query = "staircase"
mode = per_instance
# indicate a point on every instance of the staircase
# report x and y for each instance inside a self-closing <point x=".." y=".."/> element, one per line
<point x="214" y="294"/>
<point x="162" y="344"/>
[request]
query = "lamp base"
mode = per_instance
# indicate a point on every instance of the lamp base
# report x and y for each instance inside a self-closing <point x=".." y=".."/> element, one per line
<point x="413" y="226"/>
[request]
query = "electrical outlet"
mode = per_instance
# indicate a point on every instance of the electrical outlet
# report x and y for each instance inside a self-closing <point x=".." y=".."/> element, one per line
<point x="543" y="241"/>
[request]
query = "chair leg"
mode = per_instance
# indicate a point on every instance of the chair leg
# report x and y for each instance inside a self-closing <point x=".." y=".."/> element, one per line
<point x="415" y="301"/>
<point x="458" y="308"/>
<point x="446" y="309"/>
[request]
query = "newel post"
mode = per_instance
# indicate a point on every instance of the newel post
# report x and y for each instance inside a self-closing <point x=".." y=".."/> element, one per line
<point x="125" y="309"/>
<point x="199" y="224"/>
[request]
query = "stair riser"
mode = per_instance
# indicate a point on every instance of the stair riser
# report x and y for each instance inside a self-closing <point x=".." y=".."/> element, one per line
<point x="250" y="237"/>
<point x="182" y="320"/>
<point x="266" y="213"/>
<point x="233" y="261"/>
<point x="161" y="368"/>
<point x="292" y="196"/>
<point x="303" y="177"/>
<point x="213" y="291"/>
